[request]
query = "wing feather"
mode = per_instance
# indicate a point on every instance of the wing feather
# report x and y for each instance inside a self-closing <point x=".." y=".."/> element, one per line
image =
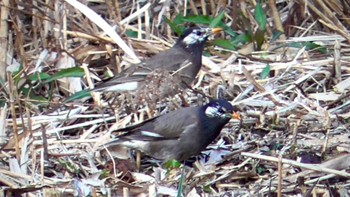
<point x="167" y="126"/>
<point x="174" y="61"/>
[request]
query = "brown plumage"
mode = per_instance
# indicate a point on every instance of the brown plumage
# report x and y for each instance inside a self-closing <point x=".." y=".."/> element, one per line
<point x="166" y="73"/>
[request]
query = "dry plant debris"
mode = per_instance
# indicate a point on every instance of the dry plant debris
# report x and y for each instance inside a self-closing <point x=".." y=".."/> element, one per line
<point x="293" y="139"/>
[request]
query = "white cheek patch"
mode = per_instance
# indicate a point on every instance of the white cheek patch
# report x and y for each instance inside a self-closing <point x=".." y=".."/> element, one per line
<point x="193" y="38"/>
<point x="211" y="111"/>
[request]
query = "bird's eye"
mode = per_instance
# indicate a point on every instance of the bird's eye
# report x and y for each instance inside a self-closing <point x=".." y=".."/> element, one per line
<point x="198" y="33"/>
<point x="220" y="110"/>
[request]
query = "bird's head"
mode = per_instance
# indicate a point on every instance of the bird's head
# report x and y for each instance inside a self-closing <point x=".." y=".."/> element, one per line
<point x="196" y="37"/>
<point x="221" y="109"/>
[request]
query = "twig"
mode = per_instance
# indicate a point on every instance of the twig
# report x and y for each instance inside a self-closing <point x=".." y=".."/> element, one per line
<point x="298" y="164"/>
<point x="13" y="114"/>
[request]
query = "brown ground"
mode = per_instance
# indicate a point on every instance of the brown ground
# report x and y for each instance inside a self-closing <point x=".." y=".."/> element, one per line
<point x="300" y="110"/>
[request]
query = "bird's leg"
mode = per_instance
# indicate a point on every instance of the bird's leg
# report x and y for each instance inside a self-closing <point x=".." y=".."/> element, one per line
<point x="138" y="160"/>
<point x="141" y="119"/>
<point x="183" y="101"/>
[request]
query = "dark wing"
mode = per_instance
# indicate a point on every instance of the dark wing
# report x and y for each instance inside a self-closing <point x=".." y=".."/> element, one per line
<point x="171" y="60"/>
<point x="168" y="126"/>
<point x="135" y="73"/>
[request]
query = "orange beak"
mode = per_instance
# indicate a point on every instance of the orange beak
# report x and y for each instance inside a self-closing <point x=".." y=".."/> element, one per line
<point x="235" y="115"/>
<point x="216" y="30"/>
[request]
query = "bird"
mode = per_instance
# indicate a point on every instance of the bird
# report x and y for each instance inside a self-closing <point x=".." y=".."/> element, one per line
<point x="179" y="134"/>
<point x="165" y="73"/>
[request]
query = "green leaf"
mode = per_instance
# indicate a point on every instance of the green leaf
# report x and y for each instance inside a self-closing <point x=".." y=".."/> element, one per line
<point x="68" y="72"/>
<point x="266" y="71"/>
<point x="198" y="19"/>
<point x="296" y="44"/>
<point x="78" y="95"/>
<point x="2" y="102"/>
<point x="25" y="91"/>
<point x="131" y="34"/>
<point x="172" y="164"/>
<point x="179" y="19"/>
<point x="2" y="83"/>
<point x="313" y="46"/>
<point x="39" y="76"/>
<point x="242" y="39"/>
<point x="260" y="16"/>
<point x="207" y="189"/>
<point x="35" y="99"/>
<point x="177" y="24"/>
<point x="70" y="167"/>
<point x="104" y="174"/>
<point x="181" y="182"/>
<point x="226" y="44"/>
<point x="174" y="27"/>
<point x="309" y="46"/>
<point x="16" y="75"/>
<point x="260" y="170"/>
<point x="38" y="100"/>
<point x="229" y="31"/>
<point x="217" y="20"/>
<point x="259" y="38"/>
<point x="275" y="35"/>
<point x="206" y="54"/>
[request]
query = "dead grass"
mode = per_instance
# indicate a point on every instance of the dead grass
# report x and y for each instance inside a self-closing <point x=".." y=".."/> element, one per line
<point x="301" y="108"/>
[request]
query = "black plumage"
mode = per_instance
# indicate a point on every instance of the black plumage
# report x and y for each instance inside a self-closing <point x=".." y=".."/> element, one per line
<point x="165" y="73"/>
<point x="179" y="134"/>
